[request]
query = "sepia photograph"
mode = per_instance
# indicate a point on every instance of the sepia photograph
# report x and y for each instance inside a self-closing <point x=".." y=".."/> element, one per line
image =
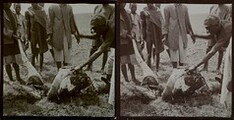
<point x="58" y="59"/>
<point x="175" y="60"/>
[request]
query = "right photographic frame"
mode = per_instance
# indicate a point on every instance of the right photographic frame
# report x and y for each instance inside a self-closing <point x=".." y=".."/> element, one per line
<point x="175" y="59"/>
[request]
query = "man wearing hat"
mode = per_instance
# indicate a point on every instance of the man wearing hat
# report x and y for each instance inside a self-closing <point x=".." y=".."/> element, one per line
<point x="222" y="30"/>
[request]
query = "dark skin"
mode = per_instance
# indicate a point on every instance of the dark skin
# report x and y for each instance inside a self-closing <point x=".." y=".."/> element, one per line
<point x="213" y="30"/>
<point x="133" y="11"/>
<point x="94" y="48"/>
<point x="36" y="6"/>
<point x="99" y="31"/>
<point x="211" y="37"/>
<point x="150" y="45"/>
<point x="17" y="9"/>
<point x="130" y="66"/>
<point x="15" y="65"/>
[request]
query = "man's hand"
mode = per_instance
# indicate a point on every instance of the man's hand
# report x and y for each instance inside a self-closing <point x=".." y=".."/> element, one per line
<point x="164" y="38"/>
<point x="193" y="38"/>
<point x="192" y="68"/>
<point x="49" y="40"/>
<point x="77" y="37"/>
<point x="15" y="37"/>
<point x="129" y="37"/>
<point x="229" y="86"/>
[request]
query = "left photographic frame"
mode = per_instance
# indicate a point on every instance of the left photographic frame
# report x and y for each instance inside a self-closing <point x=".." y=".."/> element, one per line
<point x="58" y="59"/>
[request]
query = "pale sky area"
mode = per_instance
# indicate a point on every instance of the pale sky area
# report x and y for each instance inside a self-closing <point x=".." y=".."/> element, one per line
<point x="77" y="8"/>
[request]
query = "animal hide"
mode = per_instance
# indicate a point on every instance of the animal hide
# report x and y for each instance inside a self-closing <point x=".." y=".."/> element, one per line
<point x="145" y="68"/>
<point x="69" y="83"/>
<point x="182" y="84"/>
<point x="32" y="72"/>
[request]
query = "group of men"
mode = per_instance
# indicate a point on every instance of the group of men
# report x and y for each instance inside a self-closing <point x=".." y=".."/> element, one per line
<point x="35" y="27"/>
<point x="170" y="33"/>
<point x="149" y="27"/>
<point x="53" y="31"/>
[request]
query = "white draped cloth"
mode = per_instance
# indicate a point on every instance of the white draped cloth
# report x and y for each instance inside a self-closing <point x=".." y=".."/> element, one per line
<point x="227" y="76"/>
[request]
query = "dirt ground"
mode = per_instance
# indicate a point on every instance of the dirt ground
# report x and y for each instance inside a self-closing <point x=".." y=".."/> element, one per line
<point x="16" y="104"/>
<point x="195" y="106"/>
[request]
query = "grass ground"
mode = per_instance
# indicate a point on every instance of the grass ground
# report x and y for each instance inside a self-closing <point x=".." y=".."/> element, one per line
<point x="196" y="106"/>
<point x="16" y="104"/>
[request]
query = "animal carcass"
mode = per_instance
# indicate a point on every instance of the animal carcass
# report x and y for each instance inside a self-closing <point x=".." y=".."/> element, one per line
<point x="182" y="84"/>
<point x="69" y="83"/>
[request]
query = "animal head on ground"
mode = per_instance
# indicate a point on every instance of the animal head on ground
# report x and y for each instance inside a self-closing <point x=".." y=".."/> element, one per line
<point x="187" y="84"/>
<point x="151" y="83"/>
<point x="149" y="80"/>
<point x="73" y="84"/>
<point x="34" y="80"/>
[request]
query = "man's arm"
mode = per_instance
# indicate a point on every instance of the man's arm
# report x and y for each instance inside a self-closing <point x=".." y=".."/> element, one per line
<point x="166" y="22"/>
<point x="207" y="57"/>
<point x="93" y="37"/>
<point x="143" y="24"/>
<point x="51" y="22"/>
<point x="165" y="28"/>
<point x="188" y="24"/>
<point x="207" y="37"/>
<point x="28" y="25"/>
<point x="218" y="45"/>
<point x="95" y="55"/>
<point x="74" y="29"/>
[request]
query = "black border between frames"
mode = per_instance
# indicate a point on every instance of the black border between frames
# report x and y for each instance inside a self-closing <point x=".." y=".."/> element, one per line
<point x="52" y="117"/>
<point x="1" y="67"/>
<point x="165" y="117"/>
